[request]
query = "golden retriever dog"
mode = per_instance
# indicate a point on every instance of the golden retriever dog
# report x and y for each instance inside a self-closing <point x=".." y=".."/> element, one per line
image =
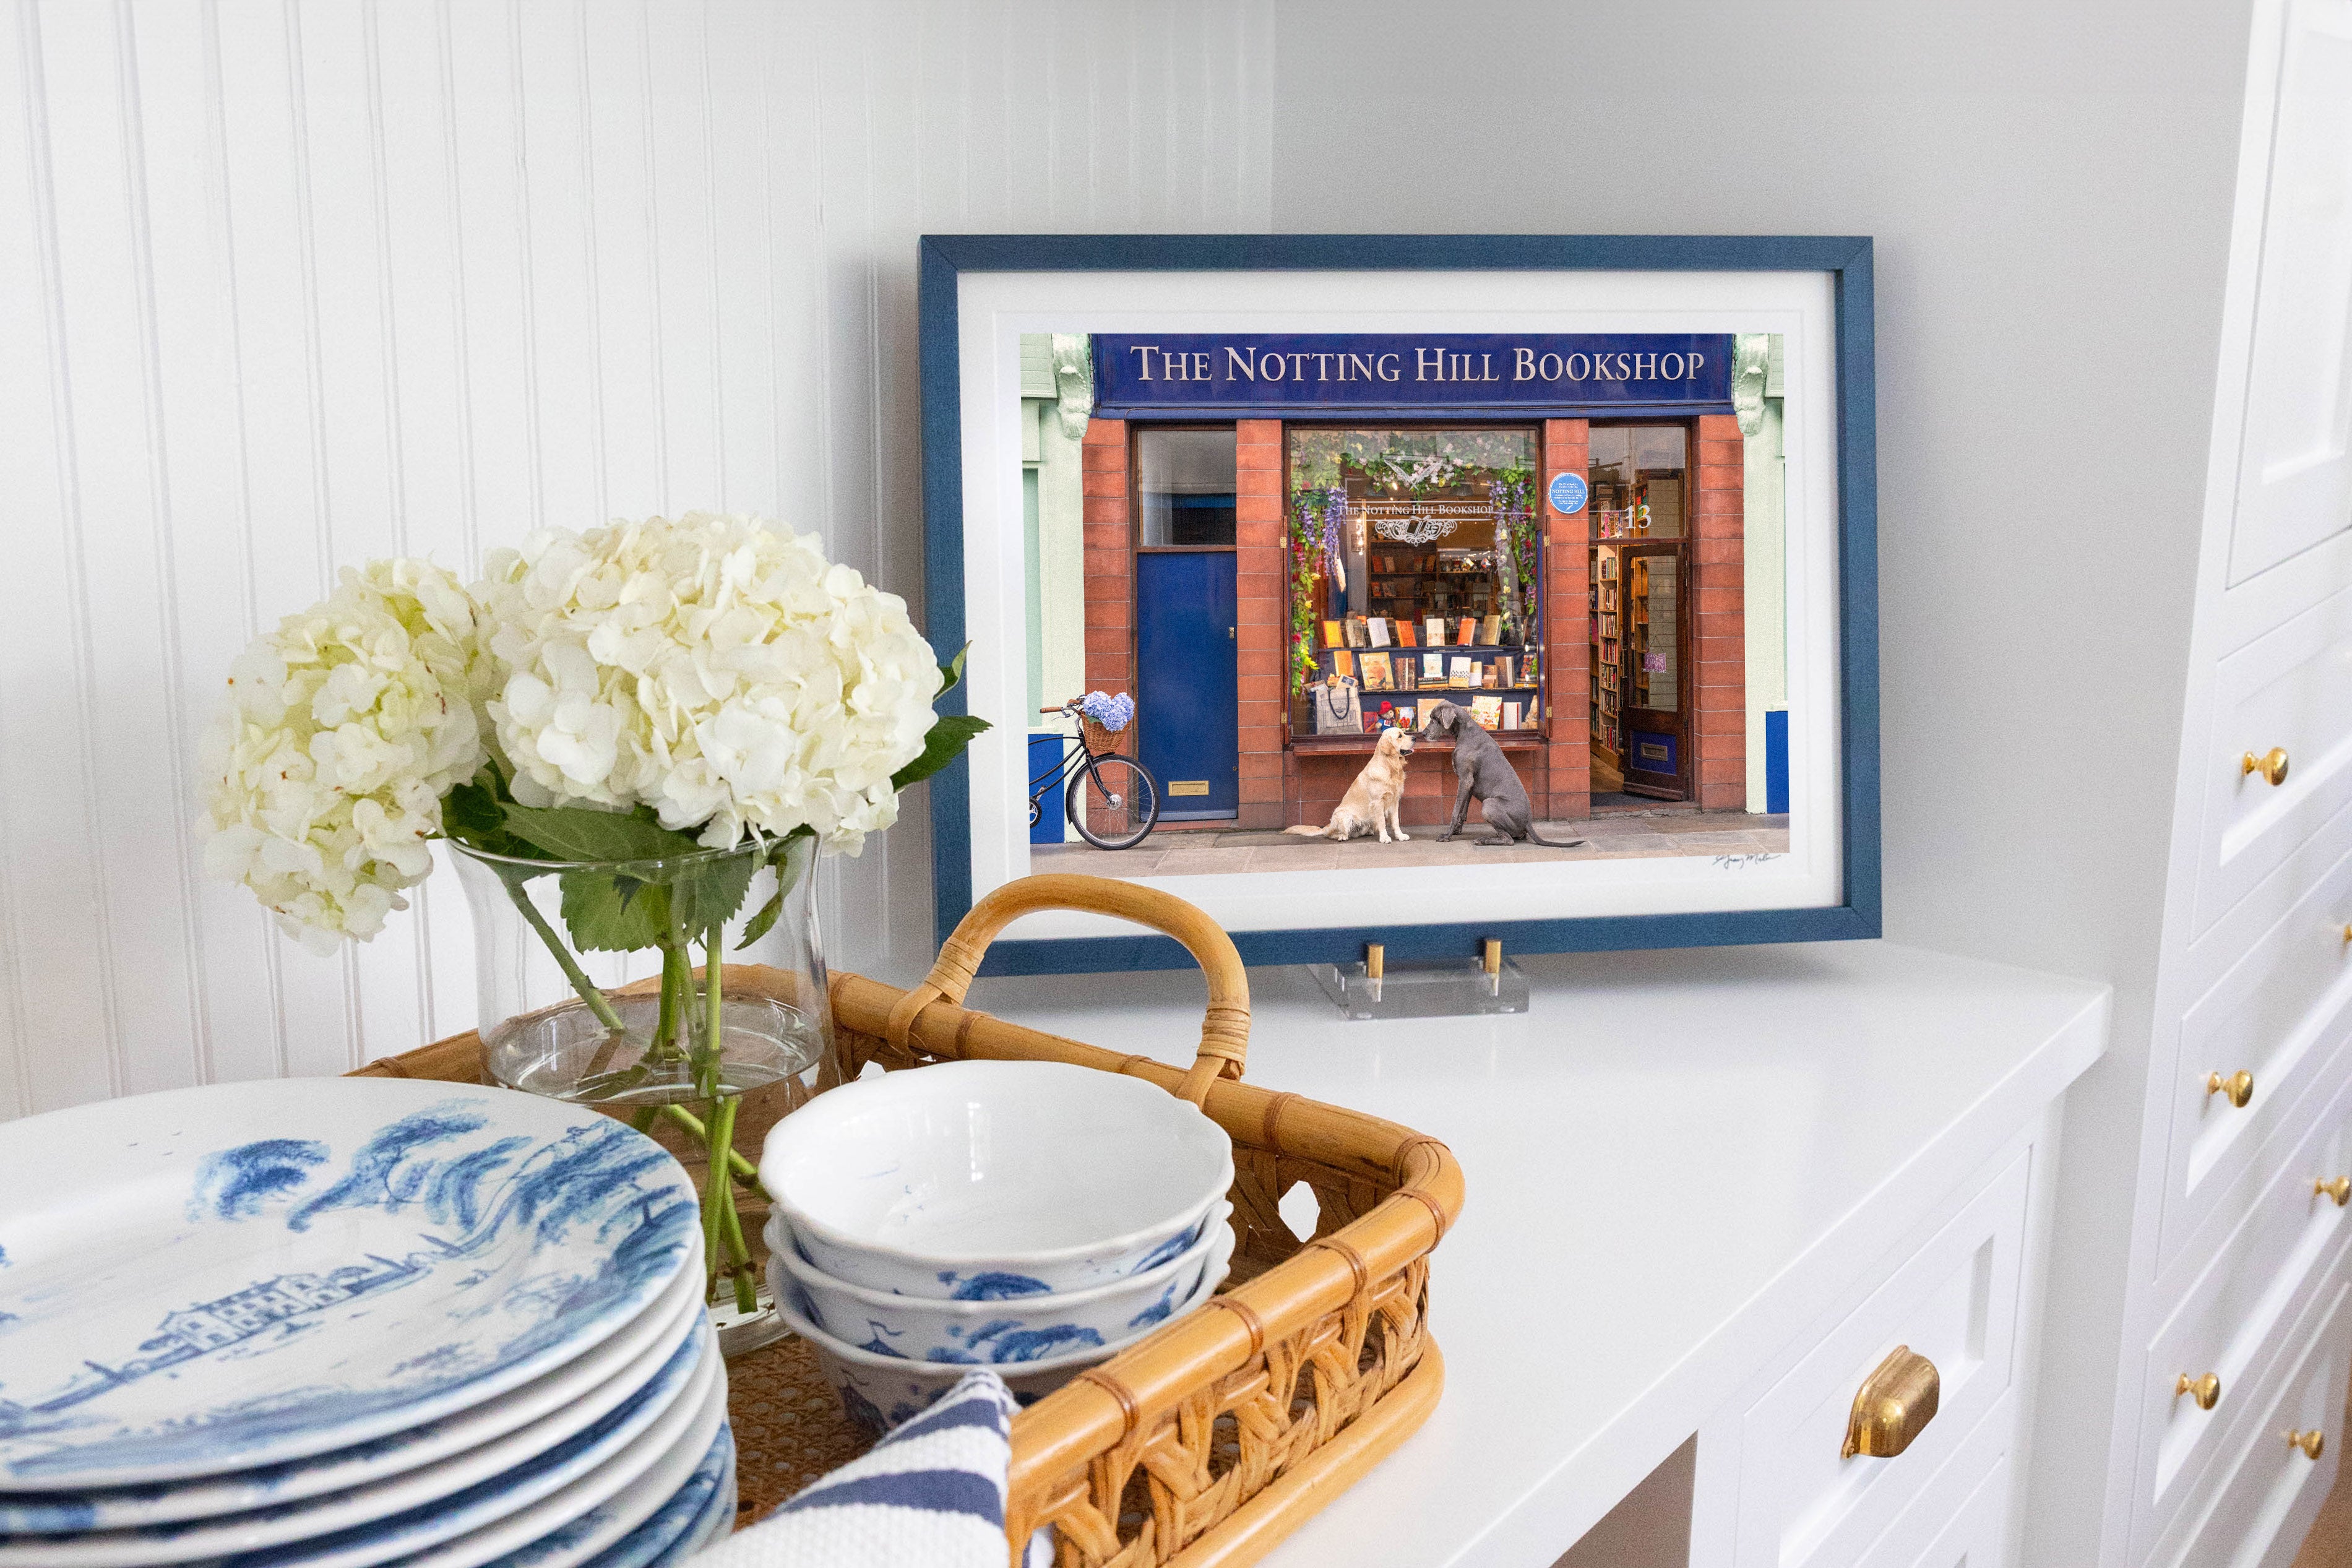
<point x="1371" y="804"/>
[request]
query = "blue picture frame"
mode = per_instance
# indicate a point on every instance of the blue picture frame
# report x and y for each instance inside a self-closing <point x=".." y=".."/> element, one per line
<point x="1845" y="259"/>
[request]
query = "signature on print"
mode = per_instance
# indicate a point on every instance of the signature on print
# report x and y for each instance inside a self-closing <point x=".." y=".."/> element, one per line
<point x="1735" y="862"/>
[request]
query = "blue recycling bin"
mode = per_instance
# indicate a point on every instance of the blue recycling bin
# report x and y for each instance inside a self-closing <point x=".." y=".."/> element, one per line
<point x="1046" y="747"/>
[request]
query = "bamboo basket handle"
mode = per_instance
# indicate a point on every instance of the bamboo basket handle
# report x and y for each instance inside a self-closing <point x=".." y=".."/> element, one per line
<point x="1224" y="1033"/>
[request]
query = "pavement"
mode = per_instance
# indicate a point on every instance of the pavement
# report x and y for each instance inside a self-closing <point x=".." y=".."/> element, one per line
<point x="1612" y="838"/>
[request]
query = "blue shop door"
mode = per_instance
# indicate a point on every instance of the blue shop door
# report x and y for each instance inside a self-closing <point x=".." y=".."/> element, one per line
<point x="1187" y="706"/>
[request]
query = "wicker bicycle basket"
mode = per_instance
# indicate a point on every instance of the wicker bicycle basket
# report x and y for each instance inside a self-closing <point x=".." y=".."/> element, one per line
<point x="1099" y="740"/>
<point x="1209" y="1441"/>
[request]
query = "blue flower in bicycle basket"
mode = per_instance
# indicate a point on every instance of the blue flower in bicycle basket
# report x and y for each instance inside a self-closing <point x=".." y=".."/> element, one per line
<point x="1111" y="712"/>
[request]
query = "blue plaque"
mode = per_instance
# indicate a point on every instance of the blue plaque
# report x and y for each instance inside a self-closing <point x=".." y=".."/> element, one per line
<point x="1567" y="493"/>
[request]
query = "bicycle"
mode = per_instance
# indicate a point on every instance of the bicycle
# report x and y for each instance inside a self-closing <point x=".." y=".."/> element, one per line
<point x="1123" y="804"/>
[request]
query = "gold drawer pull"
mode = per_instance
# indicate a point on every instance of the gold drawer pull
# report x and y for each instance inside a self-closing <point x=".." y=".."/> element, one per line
<point x="2239" y="1087"/>
<point x="2206" y="1390"/>
<point x="2270" y="765"/>
<point x="2336" y="1187"/>
<point x="1892" y="1406"/>
<point x="2313" y="1443"/>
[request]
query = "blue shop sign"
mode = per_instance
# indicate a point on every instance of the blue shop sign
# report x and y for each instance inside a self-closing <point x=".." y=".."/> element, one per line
<point x="1304" y="374"/>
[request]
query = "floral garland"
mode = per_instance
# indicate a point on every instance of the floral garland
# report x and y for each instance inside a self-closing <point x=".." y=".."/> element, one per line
<point x="1316" y="519"/>
<point x="1513" y="498"/>
<point x="1416" y="475"/>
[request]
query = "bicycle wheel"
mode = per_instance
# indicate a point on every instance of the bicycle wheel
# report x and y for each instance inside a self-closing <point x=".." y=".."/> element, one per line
<point x="1113" y="803"/>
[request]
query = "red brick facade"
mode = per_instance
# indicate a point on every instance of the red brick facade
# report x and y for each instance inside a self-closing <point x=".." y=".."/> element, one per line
<point x="1719" y="618"/>
<point x="1566" y="781"/>
<point x="1110" y="563"/>
<point x="1263" y="616"/>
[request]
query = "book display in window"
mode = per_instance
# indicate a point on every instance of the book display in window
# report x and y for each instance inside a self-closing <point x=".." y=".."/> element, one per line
<point x="1416" y="539"/>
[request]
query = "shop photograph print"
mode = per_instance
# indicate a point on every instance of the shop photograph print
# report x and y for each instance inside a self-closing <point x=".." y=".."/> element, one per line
<point x="1593" y="529"/>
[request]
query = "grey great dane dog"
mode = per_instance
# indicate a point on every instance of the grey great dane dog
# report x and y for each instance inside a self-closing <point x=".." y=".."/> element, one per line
<point x="1487" y="778"/>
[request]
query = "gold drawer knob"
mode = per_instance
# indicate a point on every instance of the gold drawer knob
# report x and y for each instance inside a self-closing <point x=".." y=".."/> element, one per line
<point x="2206" y="1390"/>
<point x="2336" y="1187"/>
<point x="2270" y="765"/>
<point x="2239" y="1087"/>
<point x="1892" y="1406"/>
<point x="2313" y="1443"/>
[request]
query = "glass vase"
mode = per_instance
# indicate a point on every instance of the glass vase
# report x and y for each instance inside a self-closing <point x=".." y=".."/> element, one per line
<point x="596" y="986"/>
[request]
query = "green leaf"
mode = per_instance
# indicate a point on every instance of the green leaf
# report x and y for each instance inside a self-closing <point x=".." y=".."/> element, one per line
<point x="952" y="672"/>
<point x="472" y="815"/>
<point x="709" y="894"/>
<point x="942" y="744"/>
<point x="606" y="913"/>
<point x="790" y="856"/>
<point x="761" y="924"/>
<point x="580" y="832"/>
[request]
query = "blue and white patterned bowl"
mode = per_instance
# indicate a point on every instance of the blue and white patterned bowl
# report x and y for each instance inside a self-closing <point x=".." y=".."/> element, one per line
<point x="1039" y="1176"/>
<point x="1007" y="1325"/>
<point x="878" y="1391"/>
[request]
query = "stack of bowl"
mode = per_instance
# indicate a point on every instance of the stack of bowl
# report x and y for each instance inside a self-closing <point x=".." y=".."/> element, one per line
<point x="1032" y="1217"/>
<point x="330" y="1323"/>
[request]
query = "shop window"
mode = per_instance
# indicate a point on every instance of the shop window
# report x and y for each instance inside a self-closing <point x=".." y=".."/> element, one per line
<point x="1415" y="578"/>
<point x="1184" y="487"/>
<point x="1639" y="481"/>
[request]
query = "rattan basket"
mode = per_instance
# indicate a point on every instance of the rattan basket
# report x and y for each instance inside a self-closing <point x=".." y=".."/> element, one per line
<point x="1210" y="1440"/>
<point x="1102" y="743"/>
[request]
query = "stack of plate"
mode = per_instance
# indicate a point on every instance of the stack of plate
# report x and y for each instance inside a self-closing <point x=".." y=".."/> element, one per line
<point x="343" y="1321"/>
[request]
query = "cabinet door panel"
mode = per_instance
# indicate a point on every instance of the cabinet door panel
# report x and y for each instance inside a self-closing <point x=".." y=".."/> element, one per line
<point x="2295" y="471"/>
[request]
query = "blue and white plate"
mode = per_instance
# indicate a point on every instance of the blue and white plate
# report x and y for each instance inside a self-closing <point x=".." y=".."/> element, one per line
<point x="218" y="1278"/>
<point x="487" y="1438"/>
<point x="397" y="1515"/>
<point x="694" y="1515"/>
<point x="568" y="1530"/>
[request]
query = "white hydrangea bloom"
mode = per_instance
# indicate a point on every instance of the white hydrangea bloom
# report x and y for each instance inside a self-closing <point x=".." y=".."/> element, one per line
<point x="716" y="668"/>
<point x="343" y="728"/>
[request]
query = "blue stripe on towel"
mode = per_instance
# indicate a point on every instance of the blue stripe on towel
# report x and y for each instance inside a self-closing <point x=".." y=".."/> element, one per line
<point x="964" y="1412"/>
<point x="936" y="1491"/>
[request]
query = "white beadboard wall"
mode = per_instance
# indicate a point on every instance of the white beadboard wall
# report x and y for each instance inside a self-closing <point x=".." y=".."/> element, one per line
<point x="288" y="284"/>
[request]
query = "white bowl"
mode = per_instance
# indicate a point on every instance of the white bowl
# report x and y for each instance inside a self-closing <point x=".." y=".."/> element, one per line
<point x="1012" y="1329"/>
<point x="968" y="1179"/>
<point x="878" y="1391"/>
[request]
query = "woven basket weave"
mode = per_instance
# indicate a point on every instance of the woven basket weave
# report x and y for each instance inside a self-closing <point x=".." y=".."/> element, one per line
<point x="1099" y="740"/>
<point x="1209" y="1441"/>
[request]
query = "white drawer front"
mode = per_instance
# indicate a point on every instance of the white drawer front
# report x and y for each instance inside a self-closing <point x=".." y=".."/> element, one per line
<point x="2279" y="1013"/>
<point x="2289" y="691"/>
<point x="1960" y="1518"/>
<point x="1977" y="1534"/>
<point x="2265" y="1506"/>
<point x="2234" y="1319"/>
<point x="1954" y="1302"/>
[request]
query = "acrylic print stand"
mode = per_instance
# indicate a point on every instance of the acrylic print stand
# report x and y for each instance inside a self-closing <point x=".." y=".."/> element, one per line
<point x="1445" y="988"/>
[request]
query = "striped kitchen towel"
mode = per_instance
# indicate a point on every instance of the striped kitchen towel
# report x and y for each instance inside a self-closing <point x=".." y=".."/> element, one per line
<point x="930" y="1495"/>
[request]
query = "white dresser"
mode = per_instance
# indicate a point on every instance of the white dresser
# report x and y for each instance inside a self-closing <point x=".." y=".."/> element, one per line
<point x="1709" y="1193"/>
<point x="2236" y="1333"/>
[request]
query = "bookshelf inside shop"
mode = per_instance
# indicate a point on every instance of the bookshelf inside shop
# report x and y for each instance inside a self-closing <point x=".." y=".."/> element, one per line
<point x="1415" y="579"/>
<point x="1605" y="608"/>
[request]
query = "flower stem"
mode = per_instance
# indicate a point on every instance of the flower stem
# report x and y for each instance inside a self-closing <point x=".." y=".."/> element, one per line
<point x="741" y="1169"/>
<point x="571" y="965"/>
<point x="718" y="1195"/>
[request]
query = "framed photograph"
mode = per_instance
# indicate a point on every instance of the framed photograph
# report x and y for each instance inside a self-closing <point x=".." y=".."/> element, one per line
<point x="1195" y="471"/>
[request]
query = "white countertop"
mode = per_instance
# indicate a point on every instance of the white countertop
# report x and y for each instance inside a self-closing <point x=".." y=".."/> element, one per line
<point x="1676" y="1162"/>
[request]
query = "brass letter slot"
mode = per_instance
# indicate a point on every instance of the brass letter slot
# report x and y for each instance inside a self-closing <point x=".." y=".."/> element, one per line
<point x="1894" y="1406"/>
<point x="1188" y="786"/>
